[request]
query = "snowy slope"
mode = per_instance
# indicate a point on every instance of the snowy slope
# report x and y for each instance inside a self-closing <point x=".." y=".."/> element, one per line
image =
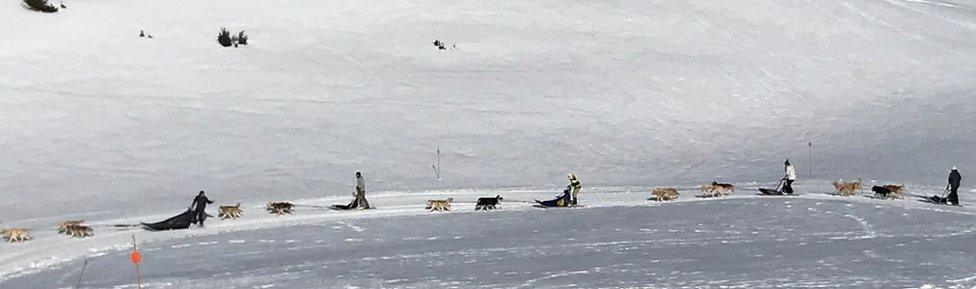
<point x="623" y="93"/>
<point x="102" y="125"/>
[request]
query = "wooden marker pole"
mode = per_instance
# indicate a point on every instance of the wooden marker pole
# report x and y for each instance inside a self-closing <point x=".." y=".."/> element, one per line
<point x="810" y="158"/>
<point x="81" y="277"/>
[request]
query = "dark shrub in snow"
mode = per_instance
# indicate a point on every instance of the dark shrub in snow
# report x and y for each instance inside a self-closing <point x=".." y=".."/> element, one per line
<point x="241" y="38"/>
<point x="224" y="38"/>
<point x="40" y="5"/>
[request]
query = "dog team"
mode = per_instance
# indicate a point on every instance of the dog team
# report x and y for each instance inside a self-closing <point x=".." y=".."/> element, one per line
<point x="77" y="228"/>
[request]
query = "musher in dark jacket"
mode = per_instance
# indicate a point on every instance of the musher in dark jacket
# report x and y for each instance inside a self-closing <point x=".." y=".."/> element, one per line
<point x="199" y="206"/>
<point x="953" y="187"/>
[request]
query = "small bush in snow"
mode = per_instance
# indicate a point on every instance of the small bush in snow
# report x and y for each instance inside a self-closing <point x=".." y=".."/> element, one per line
<point x="40" y="5"/>
<point x="224" y="38"/>
<point x="241" y="38"/>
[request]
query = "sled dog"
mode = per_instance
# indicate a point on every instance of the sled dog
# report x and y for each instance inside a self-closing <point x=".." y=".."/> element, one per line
<point x="847" y="188"/>
<point x="79" y="231"/>
<point x="897" y="191"/>
<point x="665" y="194"/>
<point x="63" y="226"/>
<point x="18" y="235"/>
<point x="439" y="205"/>
<point x="230" y="212"/>
<point x="716" y="189"/>
<point x="888" y="191"/>
<point x="487" y="203"/>
<point x="280" y="208"/>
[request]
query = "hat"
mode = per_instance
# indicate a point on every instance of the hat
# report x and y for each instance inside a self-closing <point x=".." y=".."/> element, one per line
<point x="787" y="162"/>
<point x="954" y="169"/>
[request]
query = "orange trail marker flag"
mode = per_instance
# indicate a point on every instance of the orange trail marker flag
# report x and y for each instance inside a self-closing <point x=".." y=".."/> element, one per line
<point x="136" y="258"/>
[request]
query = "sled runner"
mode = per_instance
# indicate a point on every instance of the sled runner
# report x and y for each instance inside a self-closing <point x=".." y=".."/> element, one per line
<point x="774" y="192"/>
<point x="541" y="206"/>
<point x="348" y="208"/>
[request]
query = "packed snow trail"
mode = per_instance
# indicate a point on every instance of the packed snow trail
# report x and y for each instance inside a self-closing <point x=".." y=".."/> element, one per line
<point x="735" y="242"/>
<point x="902" y="243"/>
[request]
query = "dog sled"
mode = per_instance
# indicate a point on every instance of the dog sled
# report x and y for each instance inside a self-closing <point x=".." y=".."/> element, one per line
<point x="778" y="191"/>
<point x="348" y="207"/>
<point x="546" y="206"/>
<point x="563" y="201"/>
<point x="178" y="222"/>
<point x="938" y="200"/>
<point x="359" y="202"/>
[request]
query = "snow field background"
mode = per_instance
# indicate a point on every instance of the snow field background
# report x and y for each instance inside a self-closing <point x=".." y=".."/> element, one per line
<point x="102" y="125"/>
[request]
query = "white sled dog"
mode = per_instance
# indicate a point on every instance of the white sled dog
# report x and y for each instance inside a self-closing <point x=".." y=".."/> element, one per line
<point x="18" y="235"/>
<point x="665" y="194"/>
<point x="230" y="212"/>
<point x="439" y="205"/>
<point x="716" y="189"/>
<point x="847" y="188"/>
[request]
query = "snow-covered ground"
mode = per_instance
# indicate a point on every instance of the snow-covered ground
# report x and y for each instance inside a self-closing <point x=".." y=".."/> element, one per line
<point x="619" y="239"/>
<point x="99" y="124"/>
<point x="633" y="93"/>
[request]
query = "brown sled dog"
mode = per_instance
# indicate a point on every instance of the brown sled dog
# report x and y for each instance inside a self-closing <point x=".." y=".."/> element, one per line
<point x="665" y="194"/>
<point x="230" y="212"/>
<point x="79" y="231"/>
<point x="63" y="226"/>
<point x="18" y="235"/>
<point x="716" y="189"/>
<point x="889" y="191"/>
<point x="897" y="191"/>
<point x="847" y="188"/>
<point x="280" y="208"/>
<point x="439" y="205"/>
